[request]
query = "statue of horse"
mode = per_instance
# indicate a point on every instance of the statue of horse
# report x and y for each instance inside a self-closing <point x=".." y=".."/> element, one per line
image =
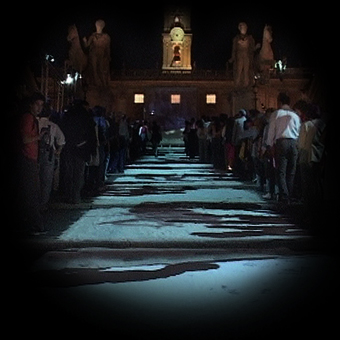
<point x="265" y="58"/>
<point x="78" y="60"/>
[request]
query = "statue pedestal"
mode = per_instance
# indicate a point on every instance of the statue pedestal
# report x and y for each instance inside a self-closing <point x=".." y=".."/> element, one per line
<point x="242" y="99"/>
<point x="101" y="96"/>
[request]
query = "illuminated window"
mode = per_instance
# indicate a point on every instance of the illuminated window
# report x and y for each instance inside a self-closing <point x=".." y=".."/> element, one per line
<point x="139" y="98"/>
<point x="175" y="99"/>
<point x="211" y="99"/>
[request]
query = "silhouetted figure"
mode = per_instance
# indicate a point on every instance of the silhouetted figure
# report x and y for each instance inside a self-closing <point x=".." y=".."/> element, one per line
<point x="81" y="142"/>
<point x="156" y="137"/>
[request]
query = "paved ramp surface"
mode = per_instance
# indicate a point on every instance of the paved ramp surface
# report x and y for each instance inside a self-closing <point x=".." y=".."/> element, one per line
<point x="171" y="201"/>
<point x="174" y="248"/>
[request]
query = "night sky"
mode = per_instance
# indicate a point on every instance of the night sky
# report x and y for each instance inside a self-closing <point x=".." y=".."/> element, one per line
<point x="136" y="32"/>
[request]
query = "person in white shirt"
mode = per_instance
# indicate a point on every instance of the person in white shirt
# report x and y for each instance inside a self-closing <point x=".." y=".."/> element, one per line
<point x="49" y="149"/>
<point x="236" y="140"/>
<point x="283" y="134"/>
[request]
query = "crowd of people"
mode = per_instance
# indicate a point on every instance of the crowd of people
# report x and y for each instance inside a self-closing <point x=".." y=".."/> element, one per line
<point x="71" y="153"/>
<point x="281" y="149"/>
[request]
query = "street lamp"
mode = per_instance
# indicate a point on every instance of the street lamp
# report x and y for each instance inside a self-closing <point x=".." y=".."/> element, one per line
<point x="85" y="87"/>
<point x="255" y="89"/>
<point x="49" y="58"/>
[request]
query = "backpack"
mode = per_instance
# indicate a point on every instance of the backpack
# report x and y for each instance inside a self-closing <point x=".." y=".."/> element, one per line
<point x="45" y="146"/>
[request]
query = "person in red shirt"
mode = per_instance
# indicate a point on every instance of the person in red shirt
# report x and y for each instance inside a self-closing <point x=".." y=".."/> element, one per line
<point x="29" y="186"/>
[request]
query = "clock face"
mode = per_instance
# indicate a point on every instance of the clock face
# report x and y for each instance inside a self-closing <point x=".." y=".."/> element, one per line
<point x="177" y="34"/>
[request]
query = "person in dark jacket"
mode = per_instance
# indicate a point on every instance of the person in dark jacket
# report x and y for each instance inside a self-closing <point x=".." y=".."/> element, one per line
<point x="156" y="137"/>
<point x="79" y="129"/>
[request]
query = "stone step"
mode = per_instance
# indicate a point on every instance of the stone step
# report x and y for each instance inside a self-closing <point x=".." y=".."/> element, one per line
<point x="167" y="149"/>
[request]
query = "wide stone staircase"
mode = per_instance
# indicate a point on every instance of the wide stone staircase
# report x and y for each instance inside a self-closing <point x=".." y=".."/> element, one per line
<point x="172" y="144"/>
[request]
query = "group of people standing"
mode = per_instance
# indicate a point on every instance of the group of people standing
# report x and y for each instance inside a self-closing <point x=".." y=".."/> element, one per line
<point x="71" y="153"/>
<point x="282" y="150"/>
<point x="37" y="144"/>
<point x="75" y="152"/>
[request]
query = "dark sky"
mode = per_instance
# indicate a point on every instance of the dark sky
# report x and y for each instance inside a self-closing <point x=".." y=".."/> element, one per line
<point x="136" y="32"/>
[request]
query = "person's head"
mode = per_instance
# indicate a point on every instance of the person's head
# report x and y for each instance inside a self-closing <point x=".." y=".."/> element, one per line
<point x="242" y="113"/>
<point x="99" y="111"/>
<point x="301" y="107"/>
<point x="242" y="26"/>
<point x="313" y="112"/>
<point x="269" y="112"/>
<point x="100" y="24"/>
<point x="85" y="105"/>
<point x="36" y="103"/>
<point x="283" y="99"/>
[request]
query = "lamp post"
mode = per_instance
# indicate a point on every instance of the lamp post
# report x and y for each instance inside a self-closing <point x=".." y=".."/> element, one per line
<point x="85" y="87"/>
<point x="255" y="91"/>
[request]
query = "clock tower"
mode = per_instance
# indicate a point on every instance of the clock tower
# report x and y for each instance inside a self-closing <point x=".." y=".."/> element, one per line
<point x="177" y="42"/>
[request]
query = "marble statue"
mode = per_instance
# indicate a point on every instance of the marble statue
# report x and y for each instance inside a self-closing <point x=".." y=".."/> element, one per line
<point x="98" y="46"/>
<point x="265" y="60"/>
<point x="242" y="57"/>
<point x="77" y="59"/>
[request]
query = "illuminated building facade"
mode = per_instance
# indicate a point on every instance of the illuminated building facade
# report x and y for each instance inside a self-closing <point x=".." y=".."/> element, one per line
<point x="177" y="91"/>
<point x="174" y="98"/>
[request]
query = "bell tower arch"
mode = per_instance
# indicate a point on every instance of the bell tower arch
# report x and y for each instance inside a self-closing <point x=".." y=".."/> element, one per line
<point x="177" y="39"/>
